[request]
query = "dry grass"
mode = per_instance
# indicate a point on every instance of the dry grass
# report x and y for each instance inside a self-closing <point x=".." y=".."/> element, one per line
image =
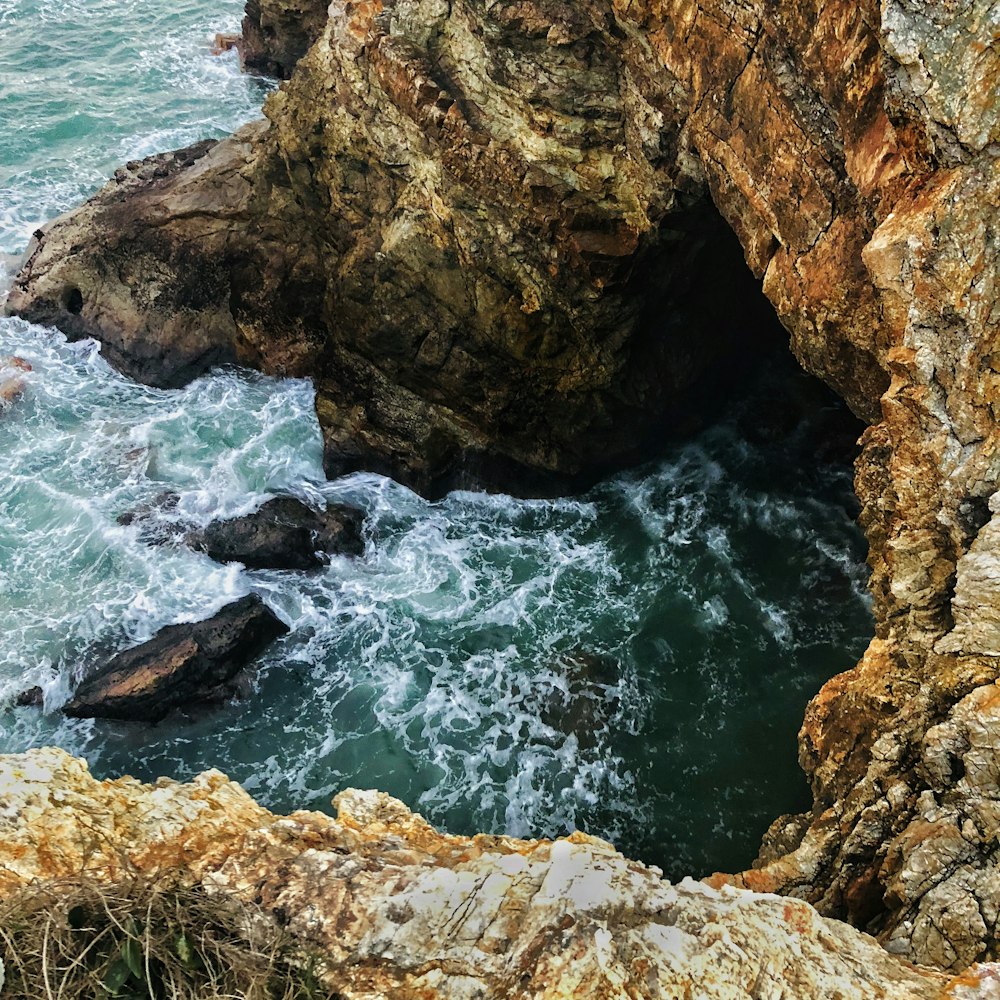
<point x="135" y="940"/>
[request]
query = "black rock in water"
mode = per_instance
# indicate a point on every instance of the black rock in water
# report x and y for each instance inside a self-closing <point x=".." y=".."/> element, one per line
<point x="33" y="697"/>
<point x="283" y="534"/>
<point x="181" y="665"/>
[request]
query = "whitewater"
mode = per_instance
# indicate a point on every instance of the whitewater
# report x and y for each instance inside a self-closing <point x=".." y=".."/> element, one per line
<point x="634" y="661"/>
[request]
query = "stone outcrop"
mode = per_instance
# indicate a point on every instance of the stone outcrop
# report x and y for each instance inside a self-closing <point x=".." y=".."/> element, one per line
<point x="394" y="908"/>
<point x="457" y="223"/>
<point x="283" y="534"/>
<point x="486" y="203"/>
<point x="181" y="665"/>
<point x="278" y="33"/>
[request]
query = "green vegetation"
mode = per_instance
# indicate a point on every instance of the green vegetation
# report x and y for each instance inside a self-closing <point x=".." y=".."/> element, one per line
<point x="76" y="939"/>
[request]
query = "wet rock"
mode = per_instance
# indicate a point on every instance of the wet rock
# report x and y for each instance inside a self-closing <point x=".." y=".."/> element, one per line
<point x="283" y="534"/>
<point x="155" y="519"/>
<point x="278" y="33"/>
<point x="184" y="347"/>
<point x="34" y="697"/>
<point x="12" y="380"/>
<point x="538" y="334"/>
<point x="224" y="43"/>
<point x="181" y="665"/>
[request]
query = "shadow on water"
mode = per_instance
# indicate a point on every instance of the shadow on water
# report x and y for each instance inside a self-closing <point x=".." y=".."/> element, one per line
<point x="634" y="661"/>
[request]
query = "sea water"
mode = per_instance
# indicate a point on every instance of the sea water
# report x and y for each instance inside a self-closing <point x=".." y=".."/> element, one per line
<point x="633" y="661"/>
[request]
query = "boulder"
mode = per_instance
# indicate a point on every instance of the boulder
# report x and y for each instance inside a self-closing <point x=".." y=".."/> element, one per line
<point x="180" y="666"/>
<point x="283" y="534"/>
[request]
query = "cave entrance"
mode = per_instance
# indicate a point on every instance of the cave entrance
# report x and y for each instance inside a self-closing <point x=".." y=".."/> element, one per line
<point x="745" y="521"/>
<point x="707" y="334"/>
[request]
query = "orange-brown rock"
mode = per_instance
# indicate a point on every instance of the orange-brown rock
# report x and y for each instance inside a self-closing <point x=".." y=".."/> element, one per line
<point x="486" y="199"/>
<point x="395" y="909"/>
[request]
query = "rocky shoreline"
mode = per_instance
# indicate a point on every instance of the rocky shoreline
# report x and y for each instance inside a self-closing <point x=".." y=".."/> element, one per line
<point x="460" y="219"/>
<point x="397" y="909"/>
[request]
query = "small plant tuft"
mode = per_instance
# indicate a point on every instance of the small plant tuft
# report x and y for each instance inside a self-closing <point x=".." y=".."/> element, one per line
<point x="76" y="939"/>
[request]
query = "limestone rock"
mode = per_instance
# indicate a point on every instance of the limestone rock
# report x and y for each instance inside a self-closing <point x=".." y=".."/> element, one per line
<point x="181" y="665"/>
<point x="56" y="821"/>
<point x="397" y="909"/>
<point x="976" y="604"/>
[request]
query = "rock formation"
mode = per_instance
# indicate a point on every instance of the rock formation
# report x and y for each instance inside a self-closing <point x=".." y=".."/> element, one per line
<point x="278" y="33"/>
<point x="283" y="534"/>
<point x="475" y="224"/>
<point x="394" y="908"/>
<point x="181" y="665"/>
<point x="457" y="223"/>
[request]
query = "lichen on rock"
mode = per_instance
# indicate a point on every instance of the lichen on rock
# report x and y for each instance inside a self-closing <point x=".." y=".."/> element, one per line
<point x="395" y="909"/>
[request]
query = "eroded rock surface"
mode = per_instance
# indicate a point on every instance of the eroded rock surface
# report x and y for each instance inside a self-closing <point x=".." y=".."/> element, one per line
<point x="485" y="200"/>
<point x="181" y="665"/>
<point x="278" y="33"/>
<point x="283" y="533"/>
<point x="399" y="910"/>
<point x="464" y="221"/>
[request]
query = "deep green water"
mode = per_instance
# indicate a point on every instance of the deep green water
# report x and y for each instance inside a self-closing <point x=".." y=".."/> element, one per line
<point x="634" y="661"/>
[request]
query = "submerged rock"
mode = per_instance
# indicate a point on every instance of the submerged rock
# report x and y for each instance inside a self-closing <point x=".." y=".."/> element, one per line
<point x="181" y="665"/>
<point x="393" y="908"/>
<point x="283" y="534"/>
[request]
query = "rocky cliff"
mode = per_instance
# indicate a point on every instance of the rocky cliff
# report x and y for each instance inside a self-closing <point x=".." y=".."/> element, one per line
<point x="395" y="909"/>
<point x="482" y="226"/>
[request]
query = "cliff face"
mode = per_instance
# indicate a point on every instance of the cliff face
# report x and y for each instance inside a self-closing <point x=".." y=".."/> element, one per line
<point x="469" y="220"/>
<point x="276" y="34"/>
<point x="397" y="909"/>
<point x="469" y="223"/>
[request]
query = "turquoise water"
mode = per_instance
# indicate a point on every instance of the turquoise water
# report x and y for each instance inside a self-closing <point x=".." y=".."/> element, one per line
<point x="634" y="661"/>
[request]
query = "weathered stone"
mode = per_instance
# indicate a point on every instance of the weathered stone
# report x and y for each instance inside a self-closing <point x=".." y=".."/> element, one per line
<point x="485" y="200"/>
<point x="180" y="665"/>
<point x="278" y="33"/>
<point x="495" y="272"/>
<point x="395" y="908"/>
<point x="283" y="534"/>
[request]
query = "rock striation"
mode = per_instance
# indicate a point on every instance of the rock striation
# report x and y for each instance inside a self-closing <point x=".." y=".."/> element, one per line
<point x="476" y="224"/>
<point x="394" y="908"/>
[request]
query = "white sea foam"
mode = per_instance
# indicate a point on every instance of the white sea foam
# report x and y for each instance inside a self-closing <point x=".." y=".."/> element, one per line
<point x="615" y="662"/>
